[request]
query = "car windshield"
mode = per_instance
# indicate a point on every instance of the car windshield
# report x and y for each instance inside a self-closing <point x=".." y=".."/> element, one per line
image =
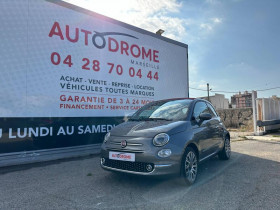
<point x="163" y="110"/>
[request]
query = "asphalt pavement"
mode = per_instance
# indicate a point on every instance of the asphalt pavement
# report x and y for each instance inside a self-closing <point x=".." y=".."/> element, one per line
<point x="249" y="180"/>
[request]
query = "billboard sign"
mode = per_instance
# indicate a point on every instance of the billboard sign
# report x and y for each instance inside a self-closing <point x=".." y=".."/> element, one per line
<point x="69" y="75"/>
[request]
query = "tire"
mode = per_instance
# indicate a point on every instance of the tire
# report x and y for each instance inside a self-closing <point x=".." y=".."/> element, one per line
<point x="189" y="166"/>
<point x="225" y="153"/>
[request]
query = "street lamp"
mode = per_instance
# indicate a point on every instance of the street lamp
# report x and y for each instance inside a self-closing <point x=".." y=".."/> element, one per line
<point x="208" y="92"/>
<point x="160" y="32"/>
<point x="208" y="89"/>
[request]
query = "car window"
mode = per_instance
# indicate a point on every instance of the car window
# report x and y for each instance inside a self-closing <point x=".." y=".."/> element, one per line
<point x="212" y="110"/>
<point x="169" y="110"/>
<point x="200" y="107"/>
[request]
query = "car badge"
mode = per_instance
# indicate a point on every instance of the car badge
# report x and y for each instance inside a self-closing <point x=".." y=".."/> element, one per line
<point x="123" y="143"/>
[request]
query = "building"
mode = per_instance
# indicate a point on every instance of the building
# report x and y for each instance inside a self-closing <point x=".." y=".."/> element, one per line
<point x="242" y="100"/>
<point x="219" y="101"/>
<point x="274" y="97"/>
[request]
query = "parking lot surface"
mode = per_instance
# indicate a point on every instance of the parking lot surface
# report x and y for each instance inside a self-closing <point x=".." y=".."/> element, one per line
<point x="249" y="180"/>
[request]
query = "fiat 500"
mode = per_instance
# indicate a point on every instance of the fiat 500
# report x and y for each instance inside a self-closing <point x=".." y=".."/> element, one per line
<point x="167" y="137"/>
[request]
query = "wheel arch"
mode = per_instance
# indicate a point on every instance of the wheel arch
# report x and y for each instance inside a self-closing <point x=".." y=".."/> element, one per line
<point x="227" y="134"/>
<point x="194" y="147"/>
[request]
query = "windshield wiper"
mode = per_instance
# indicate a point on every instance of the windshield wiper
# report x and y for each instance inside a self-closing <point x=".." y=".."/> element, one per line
<point x="148" y="119"/>
<point x="157" y="118"/>
<point x="134" y="119"/>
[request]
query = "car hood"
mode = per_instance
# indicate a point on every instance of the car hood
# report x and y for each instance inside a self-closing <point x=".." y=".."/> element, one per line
<point x="148" y="128"/>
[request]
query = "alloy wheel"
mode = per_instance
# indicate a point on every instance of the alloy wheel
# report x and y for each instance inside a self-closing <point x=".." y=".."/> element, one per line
<point x="191" y="166"/>
<point x="227" y="147"/>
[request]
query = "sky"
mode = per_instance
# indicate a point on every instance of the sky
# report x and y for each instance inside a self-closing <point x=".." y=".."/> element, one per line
<point x="233" y="44"/>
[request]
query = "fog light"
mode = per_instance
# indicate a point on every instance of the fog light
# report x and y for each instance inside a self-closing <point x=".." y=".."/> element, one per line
<point x="149" y="167"/>
<point x="102" y="160"/>
<point x="164" y="153"/>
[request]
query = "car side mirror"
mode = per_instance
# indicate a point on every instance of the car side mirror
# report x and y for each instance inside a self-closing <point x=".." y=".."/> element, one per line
<point x="205" y="116"/>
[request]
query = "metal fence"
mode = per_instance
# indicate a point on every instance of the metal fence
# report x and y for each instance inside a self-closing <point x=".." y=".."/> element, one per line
<point x="266" y="114"/>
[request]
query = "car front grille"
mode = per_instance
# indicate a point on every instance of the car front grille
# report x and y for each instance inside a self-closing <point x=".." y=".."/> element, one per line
<point x="128" y="166"/>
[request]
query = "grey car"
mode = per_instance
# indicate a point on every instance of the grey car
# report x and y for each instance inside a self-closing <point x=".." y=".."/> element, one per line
<point x="166" y="137"/>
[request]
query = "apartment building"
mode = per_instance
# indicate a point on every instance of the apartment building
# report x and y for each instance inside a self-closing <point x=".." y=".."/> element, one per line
<point x="242" y="100"/>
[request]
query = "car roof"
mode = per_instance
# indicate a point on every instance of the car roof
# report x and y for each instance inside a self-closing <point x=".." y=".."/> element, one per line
<point x="193" y="99"/>
<point x="174" y="99"/>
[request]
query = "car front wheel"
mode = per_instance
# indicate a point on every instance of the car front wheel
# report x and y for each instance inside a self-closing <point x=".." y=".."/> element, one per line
<point x="189" y="166"/>
<point x="226" y="151"/>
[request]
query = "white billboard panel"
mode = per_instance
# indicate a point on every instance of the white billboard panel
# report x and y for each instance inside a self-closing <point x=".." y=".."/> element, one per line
<point x="58" y="61"/>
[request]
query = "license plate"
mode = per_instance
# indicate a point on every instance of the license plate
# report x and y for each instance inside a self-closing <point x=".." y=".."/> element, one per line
<point x="122" y="156"/>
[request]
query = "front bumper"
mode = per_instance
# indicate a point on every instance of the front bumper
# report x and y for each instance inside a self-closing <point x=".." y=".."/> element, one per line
<point x="148" y="156"/>
<point x="157" y="170"/>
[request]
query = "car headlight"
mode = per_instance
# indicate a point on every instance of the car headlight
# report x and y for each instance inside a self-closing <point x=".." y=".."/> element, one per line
<point x="161" y="139"/>
<point x="107" y="136"/>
